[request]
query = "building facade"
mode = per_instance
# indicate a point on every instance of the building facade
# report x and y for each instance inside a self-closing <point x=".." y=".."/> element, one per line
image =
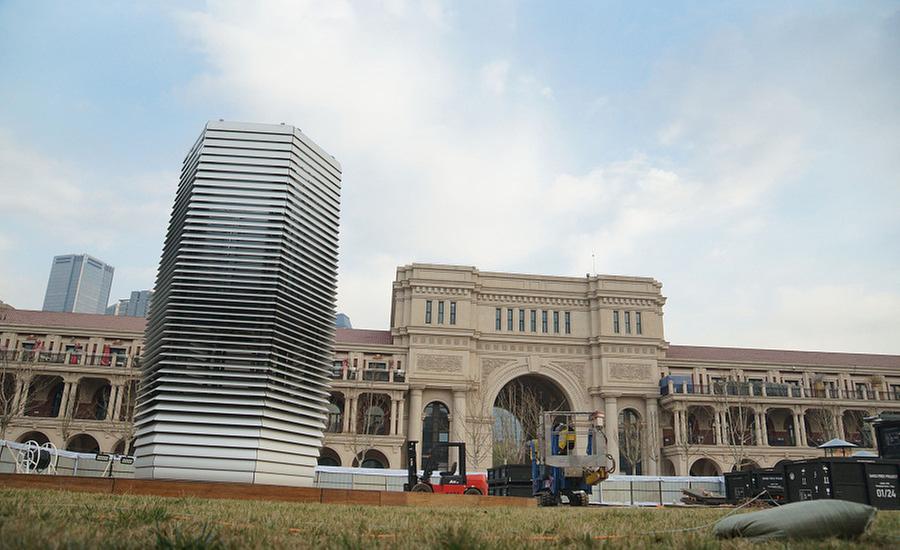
<point x="240" y="336"/>
<point x="459" y="336"/>
<point x="137" y="305"/>
<point x="78" y="283"/>
<point x="69" y="379"/>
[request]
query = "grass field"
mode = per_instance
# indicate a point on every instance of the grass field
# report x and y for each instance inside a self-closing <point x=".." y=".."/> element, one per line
<point x="55" y="519"/>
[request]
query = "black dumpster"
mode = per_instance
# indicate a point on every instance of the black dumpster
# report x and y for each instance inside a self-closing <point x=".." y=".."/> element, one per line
<point x="887" y="434"/>
<point x="510" y="480"/>
<point x="872" y="481"/>
<point x="748" y="484"/>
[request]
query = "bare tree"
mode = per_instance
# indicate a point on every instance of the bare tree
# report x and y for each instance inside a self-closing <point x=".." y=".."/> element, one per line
<point x="733" y="397"/>
<point x="478" y="429"/>
<point x="631" y="437"/>
<point x="517" y="419"/>
<point x="653" y="437"/>
<point x="16" y="400"/>
<point x="686" y="443"/>
<point x="821" y="421"/>
<point x="368" y="423"/>
<point x="9" y="400"/>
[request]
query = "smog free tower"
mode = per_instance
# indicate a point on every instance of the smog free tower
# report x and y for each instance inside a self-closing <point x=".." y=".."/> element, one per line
<point x="240" y="335"/>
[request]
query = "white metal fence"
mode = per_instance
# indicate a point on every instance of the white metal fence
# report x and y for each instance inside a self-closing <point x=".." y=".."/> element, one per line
<point x="617" y="490"/>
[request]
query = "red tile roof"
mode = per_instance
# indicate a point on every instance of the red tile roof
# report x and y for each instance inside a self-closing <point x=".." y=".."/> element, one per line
<point x="704" y="353"/>
<point x="363" y="336"/>
<point x="91" y="321"/>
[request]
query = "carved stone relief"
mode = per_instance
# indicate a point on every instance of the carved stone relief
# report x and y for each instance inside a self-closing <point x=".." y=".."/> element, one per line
<point x="575" y="368"/>
<point x="439" y="363"/>
<point x="630" y="371"/>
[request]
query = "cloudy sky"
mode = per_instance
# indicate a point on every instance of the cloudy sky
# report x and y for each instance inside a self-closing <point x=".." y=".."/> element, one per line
<point x="747" y="155"/>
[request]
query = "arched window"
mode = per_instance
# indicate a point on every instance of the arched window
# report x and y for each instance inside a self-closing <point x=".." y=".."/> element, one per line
<point x="436" y="429"/>
<point x="335" y="421"/>
<point x="327" y="457"/>
<point x="372" y="416"/>
<point x="631" y="437"/>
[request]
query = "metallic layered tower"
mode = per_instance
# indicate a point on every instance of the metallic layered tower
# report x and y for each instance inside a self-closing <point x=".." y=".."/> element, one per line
<point x="241" y="329"/>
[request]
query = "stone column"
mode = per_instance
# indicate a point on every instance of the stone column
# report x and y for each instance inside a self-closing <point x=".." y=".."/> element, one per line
<point x="458" y="427"/>
<point x="66" y="398"/>
<point x="120" y="397"/>
<point x="838" y="422"/>
<point x="763" y="428"/>
<point x="18" y="401"/>
<point x="393" y="430"/>
<point x="400" y="406"/>
<point x="611" y="412"/>
<point x="717" y="427"/>
<point x="795" y="417"/>
<point x="111" y="402"/>
<point x="676" y="420"/>
<point x="415" y="420"/>
<point x="652" y="462"/>
<point x="345" y="418"/>
<point x="801" y="420"/>
<point x="350" y="407"/>
<point x="458" y="431"/>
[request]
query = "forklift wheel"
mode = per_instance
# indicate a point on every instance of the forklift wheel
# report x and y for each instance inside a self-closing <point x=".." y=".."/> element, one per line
<point x="472" y="491"/>
<point x="422" y="488"/>
<point x="547" y="499"/>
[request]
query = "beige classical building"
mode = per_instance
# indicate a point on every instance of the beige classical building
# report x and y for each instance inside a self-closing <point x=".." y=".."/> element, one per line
<point x="458" y="337"/>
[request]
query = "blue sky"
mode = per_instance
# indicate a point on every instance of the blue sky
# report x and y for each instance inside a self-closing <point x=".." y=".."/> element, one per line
<point x="747" y="155"/>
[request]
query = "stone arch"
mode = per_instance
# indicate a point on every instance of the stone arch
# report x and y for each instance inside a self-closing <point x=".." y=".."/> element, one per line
<point x="334" y="422"/>
<point x="571" y="385"/>
<point x="329" y="457"/>
<point x="372" y="458"/>
<point x="91" y="398"/>
<point x="747" y="465"/>
<point x="666" y="467"/>
<point x="435" y="429"/>
<point x="39" y="437"/>
<point x="631" y="441"/>
<point x="83" y="443"/>
<point x="373" y="413"/>
<point x="705" y="467"/>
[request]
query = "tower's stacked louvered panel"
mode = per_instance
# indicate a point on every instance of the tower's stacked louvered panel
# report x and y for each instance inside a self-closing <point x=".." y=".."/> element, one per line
<point x="241" y="328"/>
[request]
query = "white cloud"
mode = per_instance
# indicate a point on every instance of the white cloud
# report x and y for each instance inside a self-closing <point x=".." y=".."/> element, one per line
<point x="56" y="208"/>
<point x="437" y="172"/>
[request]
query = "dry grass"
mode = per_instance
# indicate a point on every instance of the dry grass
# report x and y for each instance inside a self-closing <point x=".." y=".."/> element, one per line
<point x="54" y="519"/>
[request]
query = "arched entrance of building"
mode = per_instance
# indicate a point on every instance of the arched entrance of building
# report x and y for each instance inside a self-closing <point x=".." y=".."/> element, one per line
<point x="517" y="414"/>
<point x="705" y="467"/>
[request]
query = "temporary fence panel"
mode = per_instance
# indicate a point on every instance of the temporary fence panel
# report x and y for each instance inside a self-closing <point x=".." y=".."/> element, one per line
<point x="653" y="490"/>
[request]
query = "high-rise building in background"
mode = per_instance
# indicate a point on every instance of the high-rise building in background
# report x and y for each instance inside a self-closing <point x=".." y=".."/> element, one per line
<point x="342" y="320"/>
<point x="239" y="341"/>
<point x="136" y="306"/>
<point x="78" y="283"/>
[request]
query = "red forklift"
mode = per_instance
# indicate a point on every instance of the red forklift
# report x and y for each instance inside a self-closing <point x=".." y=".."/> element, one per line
<point x="451" y="483"/>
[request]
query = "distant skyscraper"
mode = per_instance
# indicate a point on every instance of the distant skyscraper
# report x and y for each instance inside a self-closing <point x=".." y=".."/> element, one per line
<point x="342" y="320"/>
<point x="78" y="283"/>
<point x="240" y="336"/>
<point x="135" y="306"/>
